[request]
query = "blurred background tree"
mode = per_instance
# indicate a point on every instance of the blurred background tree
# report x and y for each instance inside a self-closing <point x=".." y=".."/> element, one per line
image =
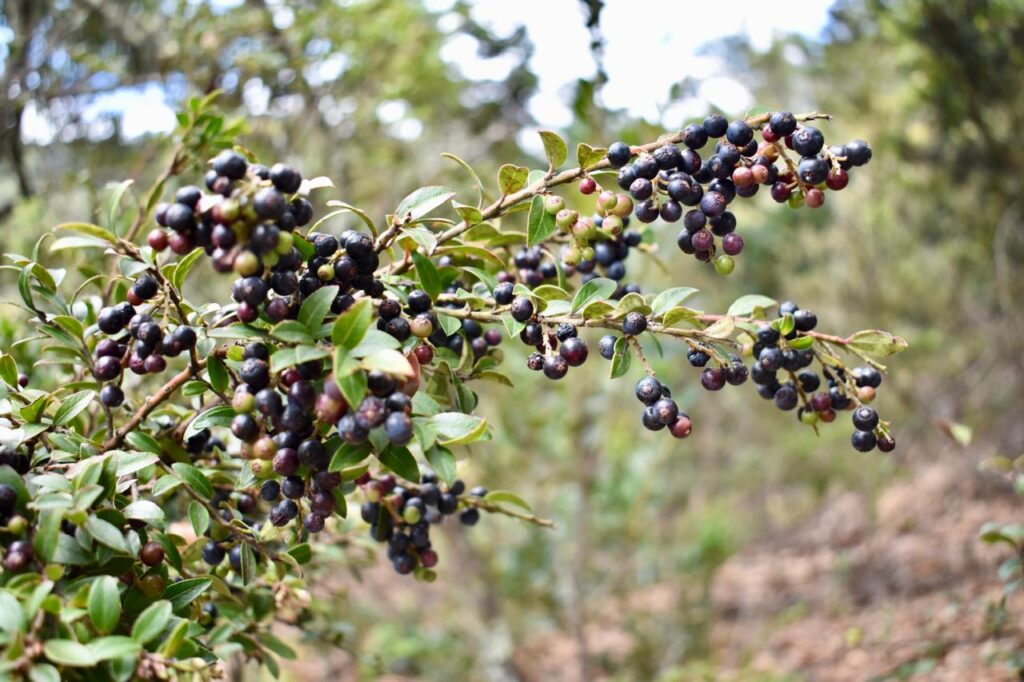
<point x="926" y="244"/>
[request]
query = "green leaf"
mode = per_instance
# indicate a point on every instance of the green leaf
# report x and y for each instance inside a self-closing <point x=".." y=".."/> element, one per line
<point x="541" y="224"/>
<point x="144" y="510"/>
<point x="449" y="324"/>
<point x="876" y="342"/>
<point x="512" y="178"/>
<point x="301" y="553"/>
<point x="115" y="202"/>
<point x="554" y="148"/>
<point x="373" y="341"/>
<point x="107" y="534"/>
<point x="91" y="230"/>
<point x="485" y="278"/>
<point x="69" y="653"/>
<point x="43" y="672"/>
<point x="785" y="324"/>
<point x="185" y="266"/>
<point x="115" y="646"/>
<point x="292" y="331"/>
<point x="349" y="455"/>
<point x="621" y="358"/>
<point x="221" y="415"/>
<point x="344" y="208"/>
<point x="12" y="616"/>
<point x="390" y="361"/>
<point x="470" y="171"/>
<point x="430" y="278"/>
<point x="400" y="461"/>
<point x="184" y="592"/>
<point x="351" y="326"/>
<point x="47" y="533"/>
<point x="751" y="305"/>
<point x="315" y="308"/>
<point x="9" y="370"/>
<point x="351" y="381"/>
<point x="442" y="461"/>
<point x="104" y="603"/>
<point x="199" y="517"/>
<point x="801" y="343"/>
<point x="194" y="478"/>
<point x="152" y="621"/>
<point x="289" y="357"/>
<point x="587" y="156"/>
<point x="456" y="428"/>
<point x="678" y="314"/>
<point x="218" y="373"/>
<point x="130" y="462"/>
<point x="506" y="496"/>
<point x="597" y="289"/>
<point x="421" y="202"/>
<point x="670" y="298"/>
<point x="722" y="328"/>
<point x="471" y="215"/>
<point x="248" y="564"/>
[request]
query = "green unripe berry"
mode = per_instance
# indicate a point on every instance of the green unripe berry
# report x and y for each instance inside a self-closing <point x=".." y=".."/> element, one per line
<point x="411" y="515"/>
<point x="227" y="211"/>
<point x="243" y="402"/>
<point x="623" y="206"/>
<point x="262" y="469"/>
<point x="553" y="204"/>
<point x="264" y="448"/>
<point x="421" y="326"/>
<point x="150" y="585"/>
<point x="612" y="224"/>
<point x="571" y="255"/>
<point x="270" y="259"/>
<point x="285" y="242"/>
<point x="17" y="525"/>
<point x="247" y="263"/>
<point x="724" y="265"/>
<point x="566" y="217"/>
<point x="607" y="200"/>
<point x="588" y="253"/>
<point x="584" y="228"/>
<point x="809" y="417"/>
<point x="325" y="272"/>
<point x="796" y="200"/>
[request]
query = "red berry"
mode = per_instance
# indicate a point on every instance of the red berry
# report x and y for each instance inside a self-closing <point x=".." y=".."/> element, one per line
<point x="682" y="426"/>
<point x="157" y="239"/>
<point x="424" y="353"/>
<point x="588" y="186"/>
<point x="837" y="180"/>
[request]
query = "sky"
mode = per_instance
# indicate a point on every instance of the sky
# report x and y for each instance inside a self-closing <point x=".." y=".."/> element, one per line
<point x="649" y="44"/>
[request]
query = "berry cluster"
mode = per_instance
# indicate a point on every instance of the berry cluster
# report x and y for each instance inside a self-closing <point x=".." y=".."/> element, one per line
<point x="660" y="410"/>
<point x="19" y="553"/>
<point x="401" y="515"/>
<point x="668" y="179"/>
<point x="146" y="346"/>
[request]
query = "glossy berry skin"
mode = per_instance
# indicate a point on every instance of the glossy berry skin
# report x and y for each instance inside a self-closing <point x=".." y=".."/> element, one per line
<point x="8" y="499"/>
<point x="865" y="419"/>
<point x="770" y="359"/>
<point x="607" y="346"/>
<point x="151" y="554"/>
<point x="863" y="441"/>
<point x="522" y="309"/>
<point x="682" y="426"/>
<point x="469" y="517"/>
<point x="715" y="125"/>
<point x="555" y="367"/>
<point x="111" y="395"/>
<point x="786" y="398"/>
<point x="858" y="152"/>
<point x="712" y="378"/>
<point x="804" y="320"/>
<point x="886" y="444"/>
<point x="618" y="154"/>
<point x="808" y="141"/>
<point x="694" y="136"/>
<point x="648" y="390"/>
<point x="739" y="133"/>
<point x="399" y="428"/>
<point x="285" y="178"/>
<point x="634" y="324"/>
<point x="574" y="350"/>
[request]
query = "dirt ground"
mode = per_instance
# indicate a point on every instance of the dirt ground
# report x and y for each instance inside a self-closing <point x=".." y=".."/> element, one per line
<point x="868" y="591"/>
